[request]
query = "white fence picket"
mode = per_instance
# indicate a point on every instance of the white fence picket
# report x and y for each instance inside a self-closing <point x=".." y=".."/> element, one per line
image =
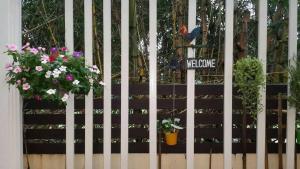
<point x="153" y="83"/>
<point x="291" y="114"/>
<point x="124" y="81"/>
<point x="228" y="63"/>
<point x="190" y="113"/>
<point x="11" y="130"/>
<point x="262" y="55"/>
<point x="107" y="81"/>
<point x="88" y="47"/>
<point x="69" y="42"/>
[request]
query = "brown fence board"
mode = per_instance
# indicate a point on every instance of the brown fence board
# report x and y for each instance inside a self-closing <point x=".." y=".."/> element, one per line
<point x="59" y="148"/>
<point x="204" y="118"/>
<point x="208" y="126"/>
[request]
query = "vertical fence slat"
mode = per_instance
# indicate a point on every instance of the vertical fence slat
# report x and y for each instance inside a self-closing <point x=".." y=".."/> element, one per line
<point x="262" y="55"/>
<point x="124" y="81"/>
<point x="190" y="92"/>
<point x="107" y="81"/>
<point x="292" y="54"/>
<point x="69" y="42"/>
<point x="16" y="102"/>
<point x="88" y="46"/>
<point x="11" y="106"/>
<point x="228" y="84"/>
<point x="152" y="83"/>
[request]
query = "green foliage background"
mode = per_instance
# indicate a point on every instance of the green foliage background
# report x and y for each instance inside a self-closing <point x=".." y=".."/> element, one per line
<point x="43" y="25"/>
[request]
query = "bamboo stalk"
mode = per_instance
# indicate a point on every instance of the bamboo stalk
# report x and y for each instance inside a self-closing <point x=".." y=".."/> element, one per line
<point x="280" y="140"/>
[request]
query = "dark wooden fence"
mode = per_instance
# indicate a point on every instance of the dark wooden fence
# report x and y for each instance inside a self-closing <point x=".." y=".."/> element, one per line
<point x="208" y="121"/>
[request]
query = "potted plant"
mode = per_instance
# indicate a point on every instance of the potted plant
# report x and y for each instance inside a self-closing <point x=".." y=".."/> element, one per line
<point x="170" y="128"/>
<point x="50" y="76"/>
<point x="249" y="78"/>
<point x="294" y="98"/>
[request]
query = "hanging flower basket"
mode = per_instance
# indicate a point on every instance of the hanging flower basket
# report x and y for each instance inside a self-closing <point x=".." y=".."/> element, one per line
<point x="50" y="76"/>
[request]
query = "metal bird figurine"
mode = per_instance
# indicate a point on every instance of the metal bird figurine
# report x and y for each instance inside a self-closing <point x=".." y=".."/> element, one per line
<point x="189" y="36"/>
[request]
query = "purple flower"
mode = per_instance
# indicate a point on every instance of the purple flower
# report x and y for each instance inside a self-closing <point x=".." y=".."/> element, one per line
<point x="77" y="54"/>
<point x="34" y="51"/>
<point x="53" y="50"/>
<point x="69" y="77"/>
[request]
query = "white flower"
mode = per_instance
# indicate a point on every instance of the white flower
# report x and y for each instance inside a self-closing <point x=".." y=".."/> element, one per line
<point x="102" y="83"/>
<point x="44" y="61"/>
<point x="176" y="127"/>
<point x="48" y="74"/>
<point x="51" y="91"/>
<point x="63" y="68"/>
<point x="75" y="82"/>
<point x="56" y="73"/>
<point x="164" y="121"/>
<point x="95" y="69"/>
<point x="176" y="120"/>
<point x="61" y="56"/>
<point x="91" y="81"/>
<point x="65" y="97"/>
<point x="39" y="68"/>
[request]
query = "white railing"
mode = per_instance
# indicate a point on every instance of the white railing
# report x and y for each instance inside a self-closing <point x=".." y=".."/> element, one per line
<point x="10" y="32"/>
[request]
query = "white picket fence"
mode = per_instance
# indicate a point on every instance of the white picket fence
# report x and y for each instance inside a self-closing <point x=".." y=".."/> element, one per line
<point x="11" y="153"/>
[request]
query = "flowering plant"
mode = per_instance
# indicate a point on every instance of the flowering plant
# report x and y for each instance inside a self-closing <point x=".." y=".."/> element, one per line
<point x="170" y="125"/>
<point x="53" y="76"/>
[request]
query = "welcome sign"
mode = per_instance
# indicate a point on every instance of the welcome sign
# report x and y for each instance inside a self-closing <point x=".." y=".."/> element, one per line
<point x="193" y="63"/>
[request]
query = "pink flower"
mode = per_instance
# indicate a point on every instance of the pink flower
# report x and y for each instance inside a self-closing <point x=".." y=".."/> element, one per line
<point x="40" y="48"/>
<point x="65" y="59"/>
<point x="17" y="69"/>
<point x="26" y="86"/>
<point x="26" y="46"/>
<point x="12" y="47"/>
<point x="34" y="51"/>
<point x="39" y="68"/>
<point x="64" y="49"/>
<point x="8" y="78"/>
<point x="45" y="59"/>
<point x="43" y="49"/>
<point x="8" y="66"/>
<point x="18" y="82"/>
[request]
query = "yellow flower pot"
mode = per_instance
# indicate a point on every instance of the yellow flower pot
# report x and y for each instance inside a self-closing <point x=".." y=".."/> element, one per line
<point x="171" y="138"/>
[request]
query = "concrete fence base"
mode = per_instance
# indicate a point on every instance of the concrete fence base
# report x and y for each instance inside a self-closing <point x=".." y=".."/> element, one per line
<point x="141" y="161"/>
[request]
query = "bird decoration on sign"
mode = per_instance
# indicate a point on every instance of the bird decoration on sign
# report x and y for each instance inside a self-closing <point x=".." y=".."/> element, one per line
<point x="189" y="37"/>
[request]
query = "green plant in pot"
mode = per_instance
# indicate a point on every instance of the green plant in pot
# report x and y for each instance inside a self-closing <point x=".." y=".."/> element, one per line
<point x="170" y="128"/>
<point x="294" y="98"/>
<point x="249" y="78"/>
